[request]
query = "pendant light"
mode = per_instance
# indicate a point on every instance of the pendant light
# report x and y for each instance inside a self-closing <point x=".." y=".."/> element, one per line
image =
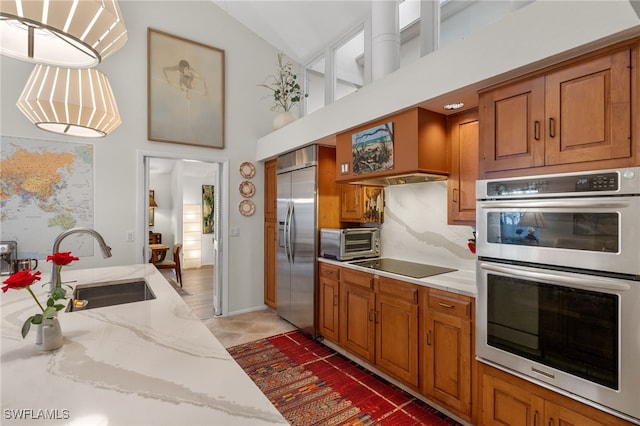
<point x="68" y="33"/>
<point x="76" y="102"/>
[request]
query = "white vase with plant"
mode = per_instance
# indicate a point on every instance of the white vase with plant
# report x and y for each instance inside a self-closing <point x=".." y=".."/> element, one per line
<point x="285" y="90"/>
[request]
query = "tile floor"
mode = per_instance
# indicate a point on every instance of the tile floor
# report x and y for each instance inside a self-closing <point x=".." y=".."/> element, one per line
<point x="243" y="328"/>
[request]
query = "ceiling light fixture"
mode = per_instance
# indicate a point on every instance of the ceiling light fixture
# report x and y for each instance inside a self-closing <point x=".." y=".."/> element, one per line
<point x="456" y="105"/>
<point x="76" y="102"/>
<point x="68" y="33"/>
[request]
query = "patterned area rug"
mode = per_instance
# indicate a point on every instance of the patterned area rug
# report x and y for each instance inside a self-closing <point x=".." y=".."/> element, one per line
<point x="311" y="384"/>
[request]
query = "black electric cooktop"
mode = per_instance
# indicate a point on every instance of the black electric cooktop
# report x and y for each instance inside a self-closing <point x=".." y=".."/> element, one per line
<point x="402" y="267"/>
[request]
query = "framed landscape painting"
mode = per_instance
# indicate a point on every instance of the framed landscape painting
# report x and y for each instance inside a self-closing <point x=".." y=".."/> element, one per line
<point x="185" y="89"/>
<point x="372" y="149"/>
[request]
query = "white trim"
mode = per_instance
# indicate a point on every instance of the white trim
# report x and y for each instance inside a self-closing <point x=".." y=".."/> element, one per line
<point x="142" y="226"/>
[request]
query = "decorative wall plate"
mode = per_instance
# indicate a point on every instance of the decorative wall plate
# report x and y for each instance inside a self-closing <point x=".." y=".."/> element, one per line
<point x="247" y="170"/>
<point x="246" y="207"/>
<point x="247" y="189"/>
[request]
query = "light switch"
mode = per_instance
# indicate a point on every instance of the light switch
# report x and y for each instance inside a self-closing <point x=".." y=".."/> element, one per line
<point x="235" y="231"/>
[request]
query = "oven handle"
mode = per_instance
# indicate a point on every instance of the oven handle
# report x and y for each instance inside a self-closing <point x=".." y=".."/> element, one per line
<point x="590" y="283"/>
<point x="551" y="204"/>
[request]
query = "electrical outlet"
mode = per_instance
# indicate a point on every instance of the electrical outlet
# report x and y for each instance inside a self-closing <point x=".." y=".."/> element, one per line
<point x="235" y="231"/>
<point x="130" y="236"/>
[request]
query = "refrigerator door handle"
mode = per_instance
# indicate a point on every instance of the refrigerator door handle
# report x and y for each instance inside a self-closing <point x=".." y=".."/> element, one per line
<point x="288" y="235"/>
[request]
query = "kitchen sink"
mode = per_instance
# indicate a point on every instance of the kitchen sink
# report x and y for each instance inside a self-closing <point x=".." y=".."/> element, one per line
<point x="109" y="293"/>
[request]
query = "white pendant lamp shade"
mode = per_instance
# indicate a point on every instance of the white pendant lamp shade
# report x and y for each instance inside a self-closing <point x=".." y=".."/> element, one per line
<point x="68" y="33"/>
<point x="76" y="102"/>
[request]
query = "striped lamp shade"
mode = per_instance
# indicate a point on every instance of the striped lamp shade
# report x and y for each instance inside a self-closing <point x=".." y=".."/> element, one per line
<point x="76" y="102"/>
<point x="68" y="33"/>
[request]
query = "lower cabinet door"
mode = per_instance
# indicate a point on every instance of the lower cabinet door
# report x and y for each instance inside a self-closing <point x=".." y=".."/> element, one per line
<point x="508" y="404"/>
<point x="329" y="309"/>
<point x="448" y="360"/>
<point x="357" y="328"/>
<point x="397" y="338"/>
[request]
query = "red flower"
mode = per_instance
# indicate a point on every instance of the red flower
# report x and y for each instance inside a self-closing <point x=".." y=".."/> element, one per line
<point x="20" y="279"/>
<point x="62" y="258"/>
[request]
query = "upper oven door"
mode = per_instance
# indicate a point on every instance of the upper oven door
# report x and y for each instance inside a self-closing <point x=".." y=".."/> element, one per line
<point x="589" y="233"/>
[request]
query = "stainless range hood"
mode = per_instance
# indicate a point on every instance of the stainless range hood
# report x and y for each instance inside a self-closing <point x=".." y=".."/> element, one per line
<point x="403" y="179"/>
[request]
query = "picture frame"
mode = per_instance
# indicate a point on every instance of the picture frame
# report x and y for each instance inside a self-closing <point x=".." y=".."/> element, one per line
<point x="152" y="210"/>
<point x="372" y="149"/>
<point x="185" y="91"/>
<point x="208" y="209"/>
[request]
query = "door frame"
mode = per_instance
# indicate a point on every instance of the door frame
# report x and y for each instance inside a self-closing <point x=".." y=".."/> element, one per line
<point x="221" y="270"/>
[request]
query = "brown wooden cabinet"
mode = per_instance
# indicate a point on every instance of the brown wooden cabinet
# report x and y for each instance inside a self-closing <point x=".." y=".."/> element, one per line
<point x="572" y="118"/>
<point x="361" y="203"/>
<point x="357" y="307"/>
<point x="463" y="134"/>
<point x="419" y="145"/>
<point x="270" y="190"/>
<point x="396" y="319"/>
<point x="447" y="349"/>
<point x="270" y="233"/>
<point x="270" y="242"/>
<point x="329" y="301"/>
<point x="379" y="323"/>
<point x="508" y="400"/>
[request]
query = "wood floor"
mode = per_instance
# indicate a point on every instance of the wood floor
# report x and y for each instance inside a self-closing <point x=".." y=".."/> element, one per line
<point x="197" y="292"/>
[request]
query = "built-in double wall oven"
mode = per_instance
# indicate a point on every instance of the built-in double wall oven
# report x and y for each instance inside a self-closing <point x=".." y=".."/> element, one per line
<point x="559" y="283"/>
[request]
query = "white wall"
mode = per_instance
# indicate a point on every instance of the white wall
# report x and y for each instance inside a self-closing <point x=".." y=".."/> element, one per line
<point x="248" y="60"/>
<point x="415" y="227"/>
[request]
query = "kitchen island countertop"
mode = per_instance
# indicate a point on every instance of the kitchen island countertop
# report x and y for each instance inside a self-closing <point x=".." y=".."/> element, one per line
<point x="460" y="281"/>
<point x="143" y="363"/>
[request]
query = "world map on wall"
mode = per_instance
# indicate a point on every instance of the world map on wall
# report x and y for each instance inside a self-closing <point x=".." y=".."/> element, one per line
<point x="46" y="188"/>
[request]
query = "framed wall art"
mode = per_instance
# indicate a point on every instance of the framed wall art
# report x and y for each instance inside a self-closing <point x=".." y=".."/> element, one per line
<point x="185" y="90"/>
<point x="152" y="206"/>
<point x="372" y="149"/>
<point x="208" y="209"/>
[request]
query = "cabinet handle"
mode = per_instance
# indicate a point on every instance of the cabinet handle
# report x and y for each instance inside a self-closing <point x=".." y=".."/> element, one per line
<point x="429" y="338"/>
<point x="550" y="422"/>
<point x="552" y="127"/>
<point x="536" y="130"/>
<point x="445" y="305"/>
<point x="455" y="195"/>
<point x="376" y="315"/>
<point x="335" y="300"/>
<point x="535" y="418"/>
<point x="370" y="314"/>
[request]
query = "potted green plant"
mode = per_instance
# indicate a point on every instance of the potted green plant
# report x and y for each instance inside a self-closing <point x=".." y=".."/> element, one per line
<point x="285" y="90"/>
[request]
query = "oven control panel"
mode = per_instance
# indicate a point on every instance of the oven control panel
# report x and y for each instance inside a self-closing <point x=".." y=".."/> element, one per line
<point x="555" y="184"/>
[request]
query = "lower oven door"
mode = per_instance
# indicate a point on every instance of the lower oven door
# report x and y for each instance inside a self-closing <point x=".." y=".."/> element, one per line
<point x="575" y="332"/>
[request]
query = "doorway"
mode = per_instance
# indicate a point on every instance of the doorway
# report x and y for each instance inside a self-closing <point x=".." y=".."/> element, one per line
<point x="177" y="183"/>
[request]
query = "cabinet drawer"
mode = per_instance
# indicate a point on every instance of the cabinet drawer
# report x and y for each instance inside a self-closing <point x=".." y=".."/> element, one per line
<point x="329" y="271"/>
<point x="450" y="303"/>
<point x="399" y="289"/>
<point x="358" y="278"/>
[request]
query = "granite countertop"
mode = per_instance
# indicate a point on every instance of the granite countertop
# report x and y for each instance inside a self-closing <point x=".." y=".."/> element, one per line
<point x="460" y="281"/>
<point x="144" y="363"/>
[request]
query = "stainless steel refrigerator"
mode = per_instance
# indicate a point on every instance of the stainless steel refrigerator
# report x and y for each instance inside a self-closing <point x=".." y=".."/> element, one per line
<point x="297" y="234"/>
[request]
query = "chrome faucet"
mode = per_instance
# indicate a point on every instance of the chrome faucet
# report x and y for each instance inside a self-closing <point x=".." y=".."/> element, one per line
<point x="55" y="272"/>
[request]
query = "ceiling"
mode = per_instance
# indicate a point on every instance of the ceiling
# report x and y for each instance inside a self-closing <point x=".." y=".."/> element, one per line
<point x="302" y="29"/>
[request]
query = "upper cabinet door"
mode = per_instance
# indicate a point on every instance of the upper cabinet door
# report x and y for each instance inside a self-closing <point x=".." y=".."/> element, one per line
<point x="511" y="118"/>
<point x="463" y="133"/>
<point x="577" y="117"/>
<point x="588" y="109"/>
